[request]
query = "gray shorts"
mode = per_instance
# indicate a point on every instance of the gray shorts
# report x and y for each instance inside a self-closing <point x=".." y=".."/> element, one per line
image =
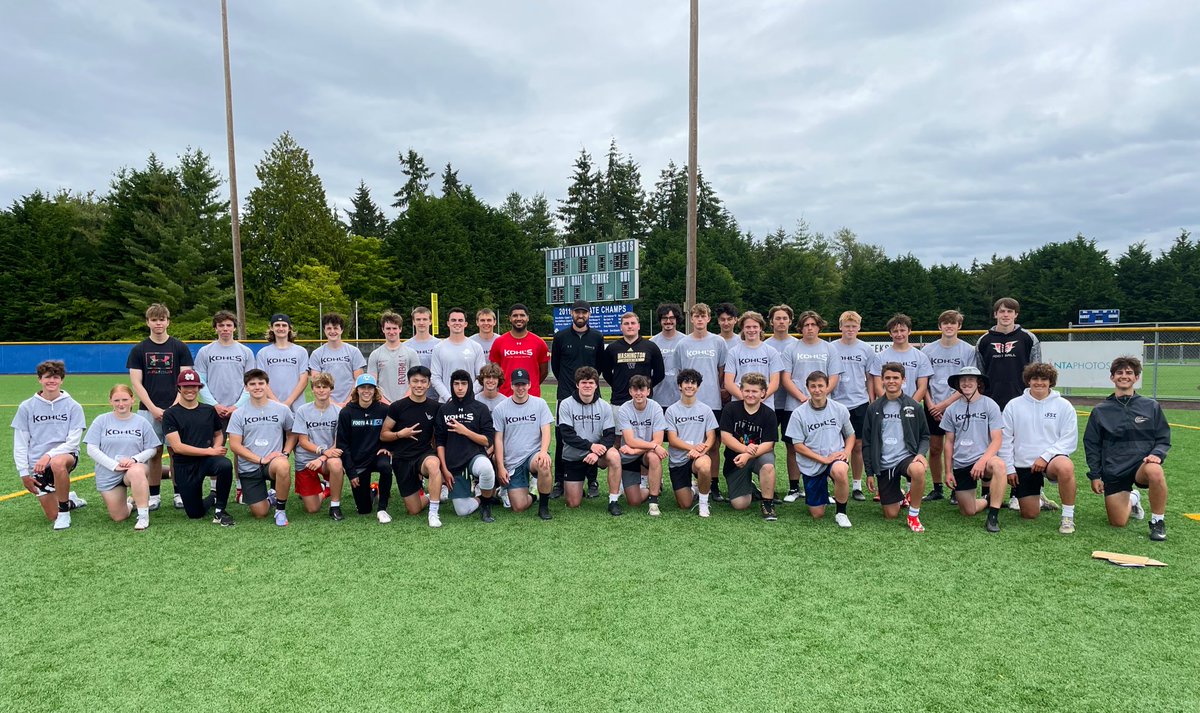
<point x="106" y="482"/>
<point x="155" y="423"/>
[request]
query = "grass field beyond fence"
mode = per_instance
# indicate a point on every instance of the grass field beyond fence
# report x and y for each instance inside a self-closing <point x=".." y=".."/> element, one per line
<point x="594" y="613"/>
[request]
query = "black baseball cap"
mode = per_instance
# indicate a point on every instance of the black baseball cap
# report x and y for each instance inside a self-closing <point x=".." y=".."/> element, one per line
<point x="281" y="317"/>
<point x="519" y="376"/>
<point x="581" y="304"/>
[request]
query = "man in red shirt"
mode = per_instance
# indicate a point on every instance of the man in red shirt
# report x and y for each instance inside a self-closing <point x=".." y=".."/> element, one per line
<point x="518" y="349"/>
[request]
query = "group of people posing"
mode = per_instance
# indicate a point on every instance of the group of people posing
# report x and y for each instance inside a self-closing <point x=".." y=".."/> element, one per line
<point x="462" y="419"/>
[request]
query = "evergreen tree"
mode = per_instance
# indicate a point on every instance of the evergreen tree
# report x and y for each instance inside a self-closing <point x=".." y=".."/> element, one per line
<point x="580" y="212"/>
<point x="622" y="199"/>
<point x="417" y="183"/>
<point x="366" y="219"/>
<point x="451" y="186"/>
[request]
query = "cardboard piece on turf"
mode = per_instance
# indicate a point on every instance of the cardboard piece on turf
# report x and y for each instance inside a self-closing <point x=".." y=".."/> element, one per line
<point x="1127" y="560"/>
<point x="1192" y="515"/>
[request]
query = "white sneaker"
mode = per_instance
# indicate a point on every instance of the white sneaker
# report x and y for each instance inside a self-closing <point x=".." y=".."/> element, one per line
<point x="832" y="501"/>
<point x="445" y="494"/>
<point x="1013" y="504"/>
<point x="654" y="511"/>
<point x="155" y="502"/>
<point x="78" y="501"/>
<point x="271" y="497"/>
<point x="178" y="501"/>
<point x="143" y="521"/>
<point x="842" y="519"/>
<point x="383" y="517"/>
<point x="281" y="518"/>
<point x="434" y="520"/>
<point x="645" y="482"/>
<point x="792" y="496"/>
<point x="704" y="510"/>
<point x="1136" y="511"/>
<point x="63" y="521"/>
<point x="504" y="499"/>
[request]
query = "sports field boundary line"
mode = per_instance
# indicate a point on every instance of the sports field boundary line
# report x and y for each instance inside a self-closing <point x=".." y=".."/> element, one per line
<point x="18" y="494"/>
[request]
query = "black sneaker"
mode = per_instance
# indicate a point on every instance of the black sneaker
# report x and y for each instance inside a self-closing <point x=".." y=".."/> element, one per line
<point x="544" y="512"/>
<point x="485" y="512"/>
<point x="223" y="518"/>
<point x="768" y="512"/>
<point x="934" y="495"/>
<point x="593" y="489"/>
<point x="335" y="513"/>
<point x="614" y="508"/>
<point x="993" y="521"/>
<point x="1158" y="530"/>
<point x="755" y="494"/>
<point x="556" y="493"/>
<point x="858" y="495"/>
<point x="954" y="497"/>
<point x="717" y="497"/>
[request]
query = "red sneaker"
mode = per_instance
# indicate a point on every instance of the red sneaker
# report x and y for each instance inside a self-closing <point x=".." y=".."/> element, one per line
<point x="914" y="524"/>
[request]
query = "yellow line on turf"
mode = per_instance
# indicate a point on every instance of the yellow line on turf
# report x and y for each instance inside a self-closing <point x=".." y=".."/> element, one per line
<point x="10" y="496"/>
<point x="1172" y="425"/>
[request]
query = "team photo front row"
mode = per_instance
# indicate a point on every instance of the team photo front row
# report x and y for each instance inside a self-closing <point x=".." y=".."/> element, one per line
<point x="462" y="419"/>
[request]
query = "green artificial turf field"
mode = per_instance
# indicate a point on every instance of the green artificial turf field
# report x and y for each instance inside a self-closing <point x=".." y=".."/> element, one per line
<point x="591" y="613"/>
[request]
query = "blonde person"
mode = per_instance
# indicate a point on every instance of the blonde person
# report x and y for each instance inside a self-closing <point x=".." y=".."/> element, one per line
<point x="317" y="454"/>
<point x="121" y="444"/>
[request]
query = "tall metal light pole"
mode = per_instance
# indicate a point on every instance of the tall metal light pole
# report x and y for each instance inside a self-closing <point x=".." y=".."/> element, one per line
<point x="238" y="288"/>
<point x="693" y="87"/>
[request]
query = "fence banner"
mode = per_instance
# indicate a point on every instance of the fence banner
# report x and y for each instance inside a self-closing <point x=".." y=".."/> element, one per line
<point x="80" y="357"/>
<point x="1085" y="364"/>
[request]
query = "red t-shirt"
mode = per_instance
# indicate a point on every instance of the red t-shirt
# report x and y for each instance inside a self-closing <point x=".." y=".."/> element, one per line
<point x="528" y="353"/>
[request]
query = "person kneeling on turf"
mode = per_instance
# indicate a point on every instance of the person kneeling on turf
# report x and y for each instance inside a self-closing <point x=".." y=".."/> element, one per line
<point x="587" y="431"/>
<point x="121" y="445"/>
<point x="895" y="440"/>
<point x="317" y="454"/>
<point x="1126" y="441"/>
<point x="823" y="439"/>
<point x="359" y="436"/>
<point x="260" y="435"/>
<point x="691" y="433"/>
<point x="409" y="428"/>
<point x="522" y="424"/>
<point x="748" y="429"/>
<point x="642" y="425"/>
<point x="463" y="432"/>
<point x="46" y="434"/>
<point x="1040" y="434"/>
<point x="196" y="442"/>
<point x="974" y="431"/>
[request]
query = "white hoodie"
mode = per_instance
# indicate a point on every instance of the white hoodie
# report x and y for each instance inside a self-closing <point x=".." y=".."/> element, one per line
<point x="1037" y="429"/>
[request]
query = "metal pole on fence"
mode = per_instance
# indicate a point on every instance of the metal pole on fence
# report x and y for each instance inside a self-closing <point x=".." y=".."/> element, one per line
<point x="1154" y="391"/>
<point x="355" y="322"/>
<point x="320" y="319"/>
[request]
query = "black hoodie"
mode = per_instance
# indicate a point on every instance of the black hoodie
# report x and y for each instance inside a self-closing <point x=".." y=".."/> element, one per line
<point x="473" y="414"/>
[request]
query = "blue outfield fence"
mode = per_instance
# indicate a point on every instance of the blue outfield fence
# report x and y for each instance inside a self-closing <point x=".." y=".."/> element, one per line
<point x="80" y="357"/>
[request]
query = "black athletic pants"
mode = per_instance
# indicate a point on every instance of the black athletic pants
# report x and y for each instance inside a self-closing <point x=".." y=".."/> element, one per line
<point x="381" y="464"/>
<point x="189" y="479"/>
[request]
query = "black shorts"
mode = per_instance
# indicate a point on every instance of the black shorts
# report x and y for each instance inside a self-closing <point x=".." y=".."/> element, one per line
<point x="45" y="479"/>
<point x="408" y="473"/>
<point x="785" y="417"/>
<point x="576" y="471"/>
<point x="631" y="471"/>
<point x="935" y="424"/>
<point x="888" y="482"/>
<point x="254" y="484"/>
<point x="681" y="476"/>
<point x="963" y="480"/>
<point x="1029" y="484"/>
<point x="1120" y="484"/>
<point x="858" y="416"/>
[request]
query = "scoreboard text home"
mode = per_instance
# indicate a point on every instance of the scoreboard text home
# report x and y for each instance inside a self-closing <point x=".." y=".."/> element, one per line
<point x="600" y="272"/>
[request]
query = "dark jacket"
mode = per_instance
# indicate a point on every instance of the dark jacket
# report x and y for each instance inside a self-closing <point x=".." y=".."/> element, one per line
<point x="916" y="431"/>
<point x="358" y="435"/>
<point x="1002" y="358"/>
<point x="1121" y="432"/>
<point x="623" y="361"/>
<point x="571" y="350"/>
<point x="473" y="414"/>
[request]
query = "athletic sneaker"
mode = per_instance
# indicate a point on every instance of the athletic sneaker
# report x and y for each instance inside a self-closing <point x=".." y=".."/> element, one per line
<point x="1136" y="511"/>
<point x="143" y="521"/>
<point x="238" y="497"/>
<point x="914" y="523"/>
<point x="768" y="512"/>
<point x="271" y="497"/>
<point x="504" y="499"/>
<point x="904" y="503"/>
<point x="434" y="520"/>
<point x="792" y="496"/>
<point x="335" y="513"/>
<point x="614" y="508"/>
<point x="544" y="512"/>
<point x="383" y="517"/>
<point x="858" y="495"/>
<point x="62" y="521"/>
<point x="155" y="502"/>
<point x="485" y="511"/>
<point x="1048" y="504"/>
<point x="1013" y="503"/>
<point x="1158" y="531"/>
<point x="1067" y="526"/>
<point x="716" y="495"/>
<point x="704" y="510"/>
<point x="993" y="521"/>
<point x="842" y="519"/>
<point x="933" y="495"/>
<point x="325" y="490"/>
<point x="556" y="492"/>
<point x="593" y="489"/>
<point x="281" y="518"/>
<point x="832" y="501"/>
<point x="223" y="518"/>
<point x="178" y="501"/>
<point x="445" y="495"/>
<point x="76" y="501"/>
<point x="954" y="497"/>
<point x="645" y="484"/>
<point x="653" y="510"/>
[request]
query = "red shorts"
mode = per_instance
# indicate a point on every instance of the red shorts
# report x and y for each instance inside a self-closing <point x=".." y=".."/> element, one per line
<point x="308" y="482"/>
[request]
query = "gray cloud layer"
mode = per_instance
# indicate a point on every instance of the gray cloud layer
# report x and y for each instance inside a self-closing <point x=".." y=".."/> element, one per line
<point x="949" y="129"/>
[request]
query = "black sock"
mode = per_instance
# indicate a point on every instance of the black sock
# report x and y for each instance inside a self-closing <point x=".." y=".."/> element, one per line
<point x="937" y="487"/>
<point x="841" y="508"/>
<point x="769" y="502"/>
<point x="793" y="485"/>
<point x="983" y="492"/>
<point x="993" y="510"/>
<point x="155" y="490"/>
<point x="654" y="499"/>
<point x="280" y="505"/>
<point x="543" y="500"/>
<point x="65" y="506"/>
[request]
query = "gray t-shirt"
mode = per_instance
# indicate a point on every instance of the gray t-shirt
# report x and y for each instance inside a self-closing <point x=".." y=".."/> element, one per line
<point x="667" y="392"/>
<point x="320" y="427"/>
<point x="390" y="369"/>
<point x="48" y="423"/>
<point x="803" y="359"/>
<point x="916" y="365"/>
<point x="485" y="344"/>
<point x="823" y="430"/>
<point x="744" y="359"/>
<point x="947" y="361"/>
<point x="643" y="423"/>
<point x="424" y="349"/>
<point x="284" y="368"/>
<point x="893" y="450"/>
<point x="588" y="420"/>
<point x="263" y="430"/>
<point x="691" y="424"/>
<point x="856" y="360"/>
<point x="520" y="425"/>
<point x="972" y="426"/>
<point x="118" y="438"/>
<point x="707" y="356"/>
<point x="222" y="367"/>
<point x="341" y="363"/>
<point x="491" y="403"/>
<point x="447" y="357"/>
<point x="782" y="346"/>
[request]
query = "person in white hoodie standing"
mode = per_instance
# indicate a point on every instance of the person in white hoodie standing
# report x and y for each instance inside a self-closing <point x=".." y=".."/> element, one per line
<point x="1040" y="434"/>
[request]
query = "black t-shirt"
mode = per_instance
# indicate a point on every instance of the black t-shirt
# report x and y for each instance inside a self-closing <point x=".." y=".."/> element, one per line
<point x="195" y="427"/>
<point x="160" y="365"/>
<point x="747" y="428"/>
<point x="406" y="413"/>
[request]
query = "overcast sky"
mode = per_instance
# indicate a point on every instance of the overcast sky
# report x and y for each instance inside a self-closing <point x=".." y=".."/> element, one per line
<point x="950" y="129"/>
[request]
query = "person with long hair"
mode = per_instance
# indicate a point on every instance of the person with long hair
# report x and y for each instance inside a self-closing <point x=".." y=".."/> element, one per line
<point x="122" y="444"/>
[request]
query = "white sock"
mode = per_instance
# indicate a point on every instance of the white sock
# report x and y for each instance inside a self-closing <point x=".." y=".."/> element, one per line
<point x="1135" y="499"/>
<point x="1155" y="517"/>
<point x="1068" y="511"/>
<point x="143" y="512"/>
<point x="914" y="512"/>
<point x="335" y="503"/>
<point x="614" y="497"/>
<point x="212" y="484"/>
<point x="704" y="498"/>
<point x="433" y="506"/>
<point x="858" y="484"/>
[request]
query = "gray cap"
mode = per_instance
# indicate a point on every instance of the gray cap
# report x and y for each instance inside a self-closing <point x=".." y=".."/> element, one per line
<point x="968" y="371"/>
